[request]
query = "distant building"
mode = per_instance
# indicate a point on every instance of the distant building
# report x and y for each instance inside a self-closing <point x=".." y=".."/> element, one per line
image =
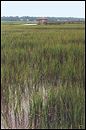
<point x="21" y="19"/>
<point x="42" y="20"/>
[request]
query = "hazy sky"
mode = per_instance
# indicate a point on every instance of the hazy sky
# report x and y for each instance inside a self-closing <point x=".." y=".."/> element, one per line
<point x="43" y="8"/>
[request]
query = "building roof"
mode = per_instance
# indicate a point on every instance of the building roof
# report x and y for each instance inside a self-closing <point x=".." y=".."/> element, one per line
<point x="42" y="19"/>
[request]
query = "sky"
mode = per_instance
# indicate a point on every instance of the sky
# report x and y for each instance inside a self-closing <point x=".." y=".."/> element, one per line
<point x="43" y="8"/>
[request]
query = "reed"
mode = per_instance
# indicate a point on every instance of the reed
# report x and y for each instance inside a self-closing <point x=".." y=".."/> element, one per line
<point x="43" y="76"/>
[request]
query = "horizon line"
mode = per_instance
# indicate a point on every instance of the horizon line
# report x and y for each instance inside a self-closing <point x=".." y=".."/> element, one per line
<point x="45" y="16"/>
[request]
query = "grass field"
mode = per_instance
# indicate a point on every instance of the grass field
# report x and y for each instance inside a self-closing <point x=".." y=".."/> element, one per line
<point x="43" y="76"/>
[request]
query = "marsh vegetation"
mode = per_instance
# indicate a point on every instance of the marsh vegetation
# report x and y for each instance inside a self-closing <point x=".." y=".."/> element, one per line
<point x="43" y="76"/>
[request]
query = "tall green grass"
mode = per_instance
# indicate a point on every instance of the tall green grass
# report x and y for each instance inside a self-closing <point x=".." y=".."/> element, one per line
<point x="42" y="76"/>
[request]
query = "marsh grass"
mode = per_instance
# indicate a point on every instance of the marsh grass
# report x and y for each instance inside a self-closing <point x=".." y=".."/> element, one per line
<point x="42" y="76"/>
